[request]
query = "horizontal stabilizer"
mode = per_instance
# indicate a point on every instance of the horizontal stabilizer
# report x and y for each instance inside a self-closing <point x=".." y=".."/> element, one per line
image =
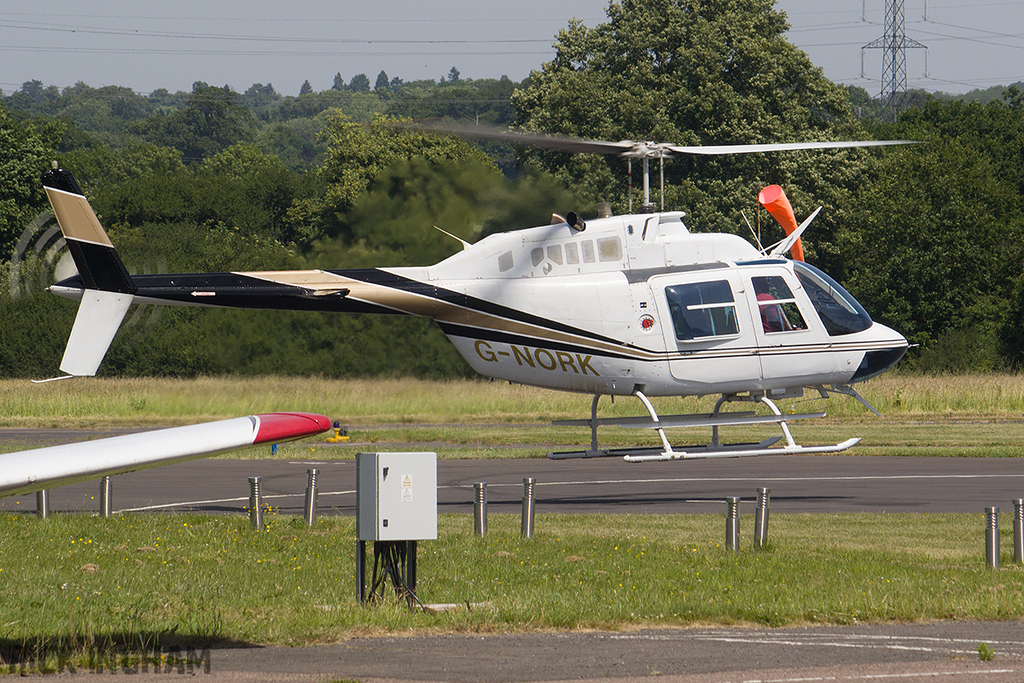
<point x="27" y="471"/>
<point x="99" y="316"/>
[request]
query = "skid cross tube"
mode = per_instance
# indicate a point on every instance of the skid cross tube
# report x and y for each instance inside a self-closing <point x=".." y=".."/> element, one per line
<point x="716" y="419"/>
<point x="729" y="398"/>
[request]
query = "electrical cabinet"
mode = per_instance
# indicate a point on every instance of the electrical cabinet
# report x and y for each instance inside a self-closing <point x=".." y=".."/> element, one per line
<point x="396" y="496"/>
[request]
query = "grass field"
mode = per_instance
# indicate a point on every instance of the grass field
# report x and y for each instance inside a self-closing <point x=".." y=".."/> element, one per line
<point x="965" y="415"/>
<point x="73" y="585"/>
<point x="88" y="402"/>
<point x="76" y="587"/>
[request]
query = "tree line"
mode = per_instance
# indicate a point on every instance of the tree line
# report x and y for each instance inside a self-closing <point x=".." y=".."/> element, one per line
<point x="927" y="237"/>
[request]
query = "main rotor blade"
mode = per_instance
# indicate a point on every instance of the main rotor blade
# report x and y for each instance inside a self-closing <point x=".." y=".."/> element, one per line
<point x="783" y="146"/>
<point x="562" y="143"/>
<point x="630" y="148"/>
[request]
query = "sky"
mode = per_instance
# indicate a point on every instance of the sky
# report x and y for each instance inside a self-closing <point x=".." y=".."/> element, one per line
<point x="145" y="45"/>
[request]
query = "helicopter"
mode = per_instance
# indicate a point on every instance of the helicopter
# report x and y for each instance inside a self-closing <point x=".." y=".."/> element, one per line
<point x="618" y="305"/>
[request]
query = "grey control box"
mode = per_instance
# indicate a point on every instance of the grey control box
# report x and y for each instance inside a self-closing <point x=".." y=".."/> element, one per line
<point x="396" y="496"/>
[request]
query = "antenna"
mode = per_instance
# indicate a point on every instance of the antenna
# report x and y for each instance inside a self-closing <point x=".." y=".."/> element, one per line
<point x="751" y="227"/>
<point x="894" y="46"/>
<point x="465" y="244"/>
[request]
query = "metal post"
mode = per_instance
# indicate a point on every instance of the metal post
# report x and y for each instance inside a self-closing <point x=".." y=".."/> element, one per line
<point x="761" y="518"/>
<point x="42" y="504"/>
<point x="410" y="568"/>
<point x="480" y="509"/>
<point x="255" y="504"/>
<point x="1018" y="531"/>
<point x="528" y="507"/>
<point x="106" y="497"/>
<point x="992" y="538"/>
<point x="311" y="497"/>
<point x="732" y="524"/>
<point x="361" y="570"/>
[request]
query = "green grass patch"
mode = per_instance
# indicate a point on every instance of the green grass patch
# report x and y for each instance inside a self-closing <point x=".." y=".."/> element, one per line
<point x="99" y="402"/>
<point x="75" y="586"/>
<point x="977" y="415"/>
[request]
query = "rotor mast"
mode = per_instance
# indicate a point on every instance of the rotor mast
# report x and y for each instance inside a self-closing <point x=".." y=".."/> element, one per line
<point x="646" y="151"/>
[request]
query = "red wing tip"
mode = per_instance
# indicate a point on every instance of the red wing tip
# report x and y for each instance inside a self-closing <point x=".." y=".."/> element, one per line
<point x="277" y="427"/>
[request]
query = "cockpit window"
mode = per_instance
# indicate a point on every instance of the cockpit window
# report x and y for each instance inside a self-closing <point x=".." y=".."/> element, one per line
<point x="702" y="309"/>
<point x="839" y="312"/>
<point x="775" y="301"/>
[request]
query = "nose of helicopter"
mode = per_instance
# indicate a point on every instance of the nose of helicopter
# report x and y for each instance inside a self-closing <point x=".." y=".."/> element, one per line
<point x="892" y="346"/>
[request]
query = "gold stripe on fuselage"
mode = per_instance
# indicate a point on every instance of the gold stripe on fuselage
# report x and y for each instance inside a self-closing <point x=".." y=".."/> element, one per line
<point x="412" y="303"/>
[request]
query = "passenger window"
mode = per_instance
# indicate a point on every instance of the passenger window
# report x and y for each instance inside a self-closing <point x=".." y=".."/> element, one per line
<point x="572" y="253"/>
<point x="537" y="256"/>
<point x="609" y="249"/>
<point x="505" y="262"/>
<point x="775" y="301"/>
<point x="555" y="254"/>
<point x="588" y="251"/>
<point x="702" y="309"/>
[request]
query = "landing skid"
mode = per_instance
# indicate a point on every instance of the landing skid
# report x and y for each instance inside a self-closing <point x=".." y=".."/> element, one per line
<point x="715" y="419"/>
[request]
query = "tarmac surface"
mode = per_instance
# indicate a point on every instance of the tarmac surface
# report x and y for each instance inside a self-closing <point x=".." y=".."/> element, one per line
<point x="940" y="651"/>
<point x="798" y="484"/>
<point x="944" y="651"/>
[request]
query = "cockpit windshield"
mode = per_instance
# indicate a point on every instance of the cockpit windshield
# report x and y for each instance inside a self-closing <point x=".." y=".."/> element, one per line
<point x="839" y="312"/>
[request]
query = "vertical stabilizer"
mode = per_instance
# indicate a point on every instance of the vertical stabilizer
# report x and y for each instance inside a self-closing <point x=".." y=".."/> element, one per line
<point x="108" y="287"/>
<point x="95" y="257"/>
<point x="99" y="316"/>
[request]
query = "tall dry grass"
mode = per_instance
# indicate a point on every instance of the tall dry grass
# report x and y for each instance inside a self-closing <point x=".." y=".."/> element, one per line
<point x="98" y="402"/>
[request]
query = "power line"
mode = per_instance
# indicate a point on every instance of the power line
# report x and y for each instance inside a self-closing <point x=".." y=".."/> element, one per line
<point x="266" y="53"/>
<point x="306" y="20"/>
<point x="62" y="28"/>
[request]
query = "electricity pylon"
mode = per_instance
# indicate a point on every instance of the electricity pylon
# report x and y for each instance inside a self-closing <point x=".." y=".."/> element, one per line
<point x="894" y="46"/>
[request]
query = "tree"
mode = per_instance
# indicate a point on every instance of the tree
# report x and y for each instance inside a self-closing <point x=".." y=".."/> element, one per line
<point x="306" y="88"/>
<point x="484" y="100"/>
<point x="212" y="121"/>
<point x="339" y="82"/>
<point x="1014" y="97"/>
<point x="397" y="214"/>
<point x="260" y="96"/>
<point x="935" y="245"/>
<point x="696" y="72"/>
<point x="929" y="246"/>
<point x="33" y="89"/>
<point x="357" y="155"/>
<point x="453" y="75"/>
<point x="360" y="83"/>
<point x="24" y="155"/>
<point x="100" y="168"/>
<point x="382" y="83"/>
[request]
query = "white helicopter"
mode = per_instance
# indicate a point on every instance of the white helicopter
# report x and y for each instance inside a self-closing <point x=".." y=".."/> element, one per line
<point x="632" y="305"/>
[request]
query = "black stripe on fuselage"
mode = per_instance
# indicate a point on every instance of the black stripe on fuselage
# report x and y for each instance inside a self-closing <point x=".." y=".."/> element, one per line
<point x="385" y="279"/>
<point x="228" y="290"/>
<point x="492" y="335"/>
